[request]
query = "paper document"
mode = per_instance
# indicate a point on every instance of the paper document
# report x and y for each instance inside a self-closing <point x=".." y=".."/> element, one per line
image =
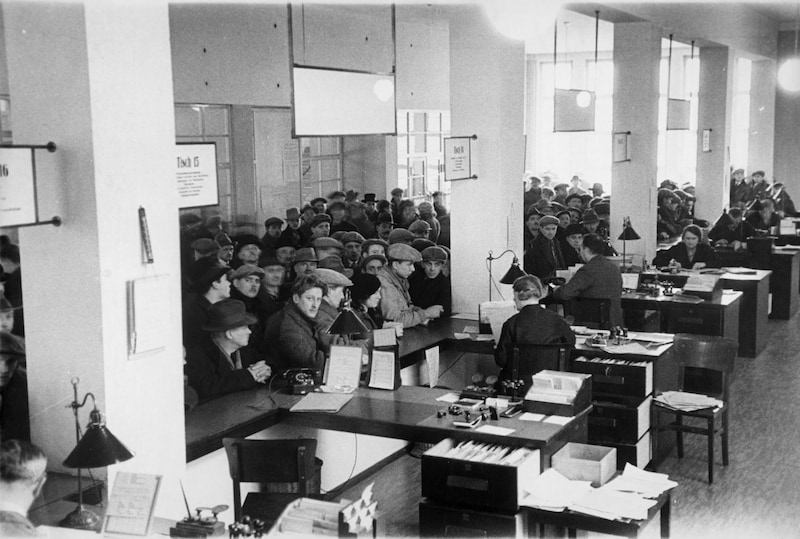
<point x="495" y="313"/>
<point x="321" y="402"/>
<point x="530" y="416"/>
<point x="384" y="337"/>
<point x="557" y="419"/>
<point x="449" y="397"/>
<point x="343" y="368"/>
<point x="432" y="362"/>
<point x="491" y="429"/>
<point x="382" y="370"/>
<point x="612" y="505"/>
<point x="647" y="484"/>
<point x="688" y="402"/>
<point x="554" y="492"/>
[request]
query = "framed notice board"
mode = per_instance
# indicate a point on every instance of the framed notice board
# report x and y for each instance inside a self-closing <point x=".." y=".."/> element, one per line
<point x="17" y="187"/>
<point x="458" y="158"/>
<point x="196" y="174"/>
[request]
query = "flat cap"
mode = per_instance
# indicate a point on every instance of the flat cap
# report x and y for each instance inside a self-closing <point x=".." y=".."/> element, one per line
<point x="370" y="258"/>
<point x="337" y="194"/>
<point x="419" y="226"/>
<point x="205" y="246"/>
<point x="332" y="277"/>
<point x="420" y="244"/>
<point x="402" y="251"/>
<point x="374" y="241"/>
<point x="327" y="243"/>
<point x="306" y="254"/>
<point x="574" y="229"/>
<point x="397" y="192"/>
<point x="572" y="196"/>
<point x="319" y="199"/>
<point x="434" y="253"/>
<point x="319" y="219"/>
<point x="273" y="221"/>
<point x="604" y="208"/>
<point x="561" y="186"/>
<point x="292" y="213"/>
<point x="11" y="345"/>
<point x="268" y="259"/>
<point x="400" y="235"/>
<point x="246" y="270"/>
<point x="548" y="220"/>
<point x="352" y="237"/>
<point x="335" y="263"/>
<point x="223" y="239"/>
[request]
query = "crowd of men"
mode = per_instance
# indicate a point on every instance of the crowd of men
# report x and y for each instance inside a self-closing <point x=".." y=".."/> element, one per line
<point x="255" y="306"/>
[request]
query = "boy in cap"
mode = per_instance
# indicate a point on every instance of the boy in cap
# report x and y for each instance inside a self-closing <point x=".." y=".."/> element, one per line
<point x="544" y="256"/>
<point x="335" y="284"/>
<point x="396" y="304"/>
<point x="431" y="286"/>
<point x="571" y="245"/>
<point x="209" y="285"/>
<point x="224" y="363"/>
<point x="352" y="242"/>
<point x="372" y="264"/>
<point x="374" y="246"/>
<point x="273" y="227"/>
<point x="320" y="227"/>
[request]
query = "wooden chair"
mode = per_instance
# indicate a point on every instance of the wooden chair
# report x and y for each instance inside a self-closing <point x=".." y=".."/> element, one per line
<point x="705" y="365"/>
<point x="525" y="360"/>
<point x="594" y="313"/>
<point x="272" y="463"/>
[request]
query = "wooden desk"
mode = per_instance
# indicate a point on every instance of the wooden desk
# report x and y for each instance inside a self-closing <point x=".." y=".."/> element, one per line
<point x="578" y="521"/>
<point x="719" y="317"/>
<point x="416" y="340"/>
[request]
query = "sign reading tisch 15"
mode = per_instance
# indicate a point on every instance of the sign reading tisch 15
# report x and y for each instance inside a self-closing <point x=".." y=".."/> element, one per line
<point x="196" y="174"/>
<point x="17" y="187"/>
<point x="458" y="158"/>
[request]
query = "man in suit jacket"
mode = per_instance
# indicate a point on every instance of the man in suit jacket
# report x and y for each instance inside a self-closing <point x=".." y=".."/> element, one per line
<point x="23" y="472"/>
<point x="598" y="278"/>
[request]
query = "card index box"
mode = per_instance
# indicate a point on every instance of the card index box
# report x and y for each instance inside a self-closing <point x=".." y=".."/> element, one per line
<point x="547" y="402"/>
<point x="617" y="377"/>
<point x="476" y="484"/>
<point x="439" y="520"/>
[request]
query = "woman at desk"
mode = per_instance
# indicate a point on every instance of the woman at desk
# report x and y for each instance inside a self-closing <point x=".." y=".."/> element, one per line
<point x="531" y="325"/>
<point x="689" y="253"/>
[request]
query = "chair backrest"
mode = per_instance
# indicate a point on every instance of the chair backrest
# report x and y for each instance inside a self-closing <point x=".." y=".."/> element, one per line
<point x="706" y="363"/>
<point x="267" y="461"/>
<point x="590" y="312"/>
<point x="528" y="359"/>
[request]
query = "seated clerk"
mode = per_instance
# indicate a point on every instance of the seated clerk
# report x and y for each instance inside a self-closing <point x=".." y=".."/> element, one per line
<point x="598" y="278"/>
<point x="731" y="230"/>
<point x="223" y="363"/>
<point x="210" y="285"/>
<point x="690" y="253"/>
<point x="765" y="218"/>
<point x="533" y="324"/>
<point x="571" y="245"/>
<point x="544" y="257"/>
<point x="14" y="414"/>
<point x="667" y="225"/>
<point x="289" y="339"/>
<point x="335" y="284"/>
<point x="431" y="286"/>
<point x="23" y="473"/>
<point x="396" y="304"/>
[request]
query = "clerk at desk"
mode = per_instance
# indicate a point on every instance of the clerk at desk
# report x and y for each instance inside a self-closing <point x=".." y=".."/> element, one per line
<point x="598" y="278"/>
<point x="689" y="253"/>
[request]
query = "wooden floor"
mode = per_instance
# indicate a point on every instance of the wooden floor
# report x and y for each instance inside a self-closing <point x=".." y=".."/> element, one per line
<point x="756" y="496"/>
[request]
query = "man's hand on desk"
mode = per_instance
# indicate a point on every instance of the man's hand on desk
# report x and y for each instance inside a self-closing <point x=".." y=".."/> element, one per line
<point x="434" y="311"/>
<point x="260" y="371"/>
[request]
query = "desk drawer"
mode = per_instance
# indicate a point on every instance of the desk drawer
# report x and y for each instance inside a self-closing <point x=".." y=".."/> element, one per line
<point x="617" y="376"/>
<point x="695" y="320"/>
<point x="639" y="454"/>
<point x="619" y="419"/>
<point x="440" y="520"/>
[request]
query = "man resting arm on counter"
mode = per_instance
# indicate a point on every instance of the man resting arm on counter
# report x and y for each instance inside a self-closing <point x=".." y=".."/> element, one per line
<point x="395" y="300"/>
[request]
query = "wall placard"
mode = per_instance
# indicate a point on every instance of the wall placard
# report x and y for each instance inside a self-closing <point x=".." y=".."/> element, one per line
<point x="620" y="149"/>
<point x="458" y="158"/>
<point x="196" y="174"/>
<point x="17" y="187"/>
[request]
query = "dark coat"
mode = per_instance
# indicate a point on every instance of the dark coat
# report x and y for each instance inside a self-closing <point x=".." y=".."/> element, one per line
<point x="757" y="222"/>
<point x="289" y="341"/>
<point x="532" y="325"/>
<point x="742" y="231"/>
<point x="598" y="278"/>
<point x="210" y="374"/>
<point x="428" y="292"/>
<point x="536" y="260"/>
<point x="14" y="413"/>
<point x="571" y="256"/>
<point x="704" y="253"/>
<point x="195" y="314"/>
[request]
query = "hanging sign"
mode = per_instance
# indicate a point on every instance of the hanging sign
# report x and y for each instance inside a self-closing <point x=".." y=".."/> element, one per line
<point x="196" y="174"/>
<point x="17" y="187"/>
<point x="458" y="158"/>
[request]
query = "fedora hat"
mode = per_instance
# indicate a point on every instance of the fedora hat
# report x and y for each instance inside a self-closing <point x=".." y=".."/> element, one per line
<point x="228" y="314"/>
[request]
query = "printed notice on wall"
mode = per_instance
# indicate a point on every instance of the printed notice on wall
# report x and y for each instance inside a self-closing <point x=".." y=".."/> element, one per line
<point x="17" y="190"/>
<point x="196" y="174"/>
<point x="458" y="159"/>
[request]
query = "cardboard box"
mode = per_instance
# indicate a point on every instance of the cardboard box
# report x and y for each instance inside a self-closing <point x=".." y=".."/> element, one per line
<point x="584" y="462"/>
<point x="439" y="520"/>
<point x="560" y="400"/>
<point x="476" y="484"/>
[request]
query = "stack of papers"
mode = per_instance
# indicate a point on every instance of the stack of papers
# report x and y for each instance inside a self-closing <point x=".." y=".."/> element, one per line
<point x="552" y="491"/>
<point x="613" y="505"/>
<point x="321" y="402"/>
<point x="644" y="483"/>
<point x="688" y="402"/>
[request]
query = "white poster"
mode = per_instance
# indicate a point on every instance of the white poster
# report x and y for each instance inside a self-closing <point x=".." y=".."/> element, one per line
<point x="17" y="187"/>
<point x="458" y="159"/>
<point x="196" y="174"/>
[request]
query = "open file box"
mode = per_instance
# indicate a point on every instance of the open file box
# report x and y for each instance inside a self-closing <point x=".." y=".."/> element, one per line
<point x="476" y="484"/>
<point x="559" y="393"/>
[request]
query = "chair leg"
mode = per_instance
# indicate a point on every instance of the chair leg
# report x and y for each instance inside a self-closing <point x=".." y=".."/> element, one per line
<point x="725" y="438"/>
<point x="679" y="435"/>
<point x="710" y="451"/>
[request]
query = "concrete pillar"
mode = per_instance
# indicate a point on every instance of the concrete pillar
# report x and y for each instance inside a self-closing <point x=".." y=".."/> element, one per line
<point x="96" y="78"/>
<point x="762" y="117"/>
<point x="787" y="124"/>
<point x="487" y="88"/>
<point x="637" y="52"/>
<point x="714" y="112"/>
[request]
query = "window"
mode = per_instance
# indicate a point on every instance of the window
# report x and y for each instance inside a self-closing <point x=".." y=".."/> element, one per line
<point x="740" y="122"/>
<point x="5" y="120"/>
<point x="210" y="123"/>
<point x="420" y="152"/>
<point x="321" y="167"/>
<point x="677" y="149"/>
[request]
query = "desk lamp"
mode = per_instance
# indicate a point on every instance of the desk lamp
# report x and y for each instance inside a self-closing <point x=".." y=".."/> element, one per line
<point x="628" y="234"/>
<point x="95" y="449"/>
<point x="513" y="273"/>
<point x="347" y="322"/>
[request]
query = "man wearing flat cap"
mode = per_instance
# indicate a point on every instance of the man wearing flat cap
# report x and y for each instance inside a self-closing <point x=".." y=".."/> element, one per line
<point x="274" y="291"/>
<point x="14" y="416"/>
<point x="401" y="235"/>
<point x="352" y="242"/>
<point x="325" y="247"/>
<point x="544" y="256"/>
<point x="320" y="227"/>
<point x="224" y="363"/>
<point x="305" y="262"/>
<point x="269" y="240"/>
<point x="204" y="247"/>
<point x="373" y="246"/>
<point x="431" y="286"/>
<point x="420" y="229"/>
<point x="560" y="193"/>
<point x="209" y="285"/>
<point x="335" y="284"/>
<point x="319" y="204"/>
<point x="394" y="203"/>
<point x="571" y="245"/>
<point x="246" y="287"/>
<point x="396" y="304"/>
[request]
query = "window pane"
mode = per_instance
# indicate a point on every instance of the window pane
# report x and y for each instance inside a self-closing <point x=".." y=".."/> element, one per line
<point x="416" y="167"/>
<point x="187" y="121"/>
<point x="446" y="122"/>
<point x="416" y="121"/>
<point x="329" y="170"/>
<point x="402" y="122"/>
<point x="223" y="151"/>
<point x="402" y="145"/>
<point x="433" y="122"/>
<point x="433" y="143"/>
<point x="417" y="186"/>
<point x="604" y="107"/>
<point x="417" y="144"/>
<point x="216" y="120"/>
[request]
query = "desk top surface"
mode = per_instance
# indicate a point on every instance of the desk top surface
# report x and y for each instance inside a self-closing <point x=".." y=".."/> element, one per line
<point x="728" y="298"/>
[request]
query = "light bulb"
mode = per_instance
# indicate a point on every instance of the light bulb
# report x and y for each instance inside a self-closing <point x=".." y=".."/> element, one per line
<point x="583" y="99"/>
<point x="789" y="75"/>
<point x="384" y="89"/>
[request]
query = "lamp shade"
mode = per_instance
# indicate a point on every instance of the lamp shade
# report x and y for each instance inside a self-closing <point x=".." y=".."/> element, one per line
<point x="513" y="273"/>
<point x="97" y="448"/>
<point x="628" y="233"/>
<point x="347" y="323"/>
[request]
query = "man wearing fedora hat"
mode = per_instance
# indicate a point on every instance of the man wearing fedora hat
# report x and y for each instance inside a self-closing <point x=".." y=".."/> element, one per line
<point x="223" y="363"/>
<point x="209" y="285"/>
<point x="396" y="304"/>
<point x="292" y="233"/>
